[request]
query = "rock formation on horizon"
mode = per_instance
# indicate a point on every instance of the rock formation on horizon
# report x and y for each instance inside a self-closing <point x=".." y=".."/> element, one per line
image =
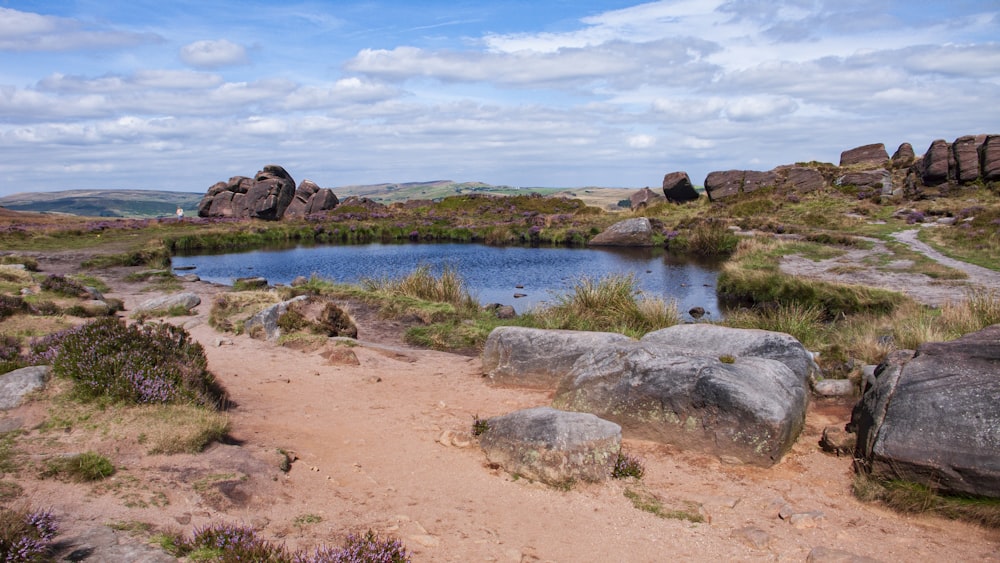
<point x="270" y="195"/>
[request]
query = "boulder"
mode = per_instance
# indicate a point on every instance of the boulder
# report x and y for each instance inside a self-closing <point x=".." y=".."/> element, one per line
<point x="873" y="154"/>
<point x="536" y="358"/>
<point x="720" y="185"/>
<point x="551" y="446"/>
<point x="264" y="324"/>
<point x="272" y="191"/>
<point x="989" y="158"/>
<point x="14" y="385"/>
<point x="501" y="311"/>
<point x="745" y="409"/>
<point x="322" y="200"/>
<point x="803" y="179"/>
<point x="297" y="207"/>
<point x="879" y="179"/>
<point x="933" y="419"/>
<point x="904" y="156"/>
<point x="186" y="300"/>
<point x="644" y="198"/>
<point x="252" y="282"/>
<point x="965" y="153"/>
<point x="677" y="188"/>
<point x="935" y="163"/>
<point x="754" y="180"/>
<point x="716" y="341"/>
<point x="630" y="232"/>
<point x="225" y="199"/>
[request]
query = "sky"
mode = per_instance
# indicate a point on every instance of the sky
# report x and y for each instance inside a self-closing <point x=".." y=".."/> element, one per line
<point x="180" y="94"/>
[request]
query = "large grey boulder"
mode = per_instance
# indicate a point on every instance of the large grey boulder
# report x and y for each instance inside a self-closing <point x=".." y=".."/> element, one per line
<point x="14" y="385"/>
<point x="186" y="300"/>
<point x="989" y="158"/>
<point x="630" y="232"/>
<point x="644" y="198"/>
<point x="551" y="446"/>
<point x="904" y="156"/>
<point x="754" y="180"/>
<point x="965" y="155"/>
<point x="272" y="191"/>
<point x="724" y="183"/>
<point x="714" y="340"/>
<point x="536" y="358"/>
<point x="743" y="408"/>
<point x="933" y="419"/>
<point x="880" y="179"/>
<point x="935" y="163"/>
<point x="803" y="179"/>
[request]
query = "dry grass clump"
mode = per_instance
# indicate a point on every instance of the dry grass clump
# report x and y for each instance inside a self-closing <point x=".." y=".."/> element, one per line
<point x="914" y="498"/>
<point x="231" y="310"/>
<point x="448" y="287"/>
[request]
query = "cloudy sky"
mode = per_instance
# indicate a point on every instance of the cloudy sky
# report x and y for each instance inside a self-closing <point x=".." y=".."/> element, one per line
<point x="565" y="93"/>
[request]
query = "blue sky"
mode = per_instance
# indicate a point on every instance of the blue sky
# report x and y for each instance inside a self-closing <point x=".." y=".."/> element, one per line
<point x="178" y="95"/>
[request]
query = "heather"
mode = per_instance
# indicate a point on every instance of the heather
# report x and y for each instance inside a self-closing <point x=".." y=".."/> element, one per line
<point x="26" y="535"/>
<point x="139" y="363"/>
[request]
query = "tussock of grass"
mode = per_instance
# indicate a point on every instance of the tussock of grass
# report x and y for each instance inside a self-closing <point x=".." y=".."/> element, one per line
<point x="422" y="284"/>
<point x="805" y="323"/>
<point x="230" y="310"/>
<point x="612" y="303"/>
<point x="174" y="429"/>
<point x="88" y="466"/>
<point x="914" y="498"/>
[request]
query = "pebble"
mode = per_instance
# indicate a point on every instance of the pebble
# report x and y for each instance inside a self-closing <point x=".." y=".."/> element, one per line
<point x="754" y="537"/>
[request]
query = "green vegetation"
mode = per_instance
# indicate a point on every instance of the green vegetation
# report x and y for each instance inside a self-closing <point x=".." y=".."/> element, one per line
<point x="649" y="502"/>
<point x="913" y="498"/>
<point x="88" y="466"/>
<point x="627" y="467"/>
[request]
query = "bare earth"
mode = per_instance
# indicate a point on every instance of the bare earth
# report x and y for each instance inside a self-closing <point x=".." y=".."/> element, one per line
<point x="384" y="445"/>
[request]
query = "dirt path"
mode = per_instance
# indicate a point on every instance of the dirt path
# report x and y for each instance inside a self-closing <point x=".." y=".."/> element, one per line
<point x="852" y="268"/>
<point x="383" y="445"/>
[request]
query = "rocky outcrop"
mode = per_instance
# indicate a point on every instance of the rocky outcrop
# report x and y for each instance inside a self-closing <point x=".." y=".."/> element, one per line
<point x="305" y="313"/>
<point x="554" y="447"/>
<point x="743" y="408"/>
<point x="935" y="163"/>
<point x="310" y="199"/>
<point x="268" y="195"/>
<point x="966" y="158"/>
<point x="720" y="185"/>
<point x="873" y="154"/>
<point x="933" y="419"/>
<point x="880" y="179"/>
<point x="630" y="232"/>
<point x="753" y="180"/>
<point x="904" y="156"/>
<point x="989" y="158"/>
<point x="677" y="188"/>
<point x="644" y="198"/>
<point x="802" y="179"/>
<point x="536" y="358"/>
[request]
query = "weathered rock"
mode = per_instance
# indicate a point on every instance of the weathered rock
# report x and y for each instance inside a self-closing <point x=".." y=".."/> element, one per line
<point x="935" y="163"/>
<point x="696" y="312"/>
<point x="716" y="341"/>
<point x="297" y="207"/>
<point x="754" y="180"/>
<point x="965" y="154"/>
<point x="101" y="543"/>
<point x="879" y="179"/>
<point x="95" y="307"/>
<point x="873" y="154"/>
<point x="834" y="388"/>
<point x="933" y="419"/>
<point x="723" y="184"/>
<point x="630" y="232"/>
<point x="989" y="158"/>
<point x="186" y="300"/>
<point x="501" y="311"/>
<point x="754" y="537"/>
<point x="14" y="385"/>
<point x="551" y="446"/>
<point x="749" y="409"/>
<point x="904" y="156"/>
<point x="644" y="198"/>
<point x="677" y="188"/>
<point x="272" y="191"/>
<point x="802" y="178"/>
<point x="255" y="282"/>
<point x="837" y="440"/>
<point x="322" y="200"/>
<point x="536" y="358"/>
<point x="307" y="313"/>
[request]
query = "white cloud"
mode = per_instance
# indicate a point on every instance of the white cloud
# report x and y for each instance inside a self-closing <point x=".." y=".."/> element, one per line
<point x="210" y="54"/>
<point x="641" y="141"/>
<point x="754" y="108"/>
<point x="27" y="31"/>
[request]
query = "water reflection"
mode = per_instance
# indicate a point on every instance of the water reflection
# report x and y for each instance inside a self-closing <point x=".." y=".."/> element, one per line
<point x="492" y="273"/>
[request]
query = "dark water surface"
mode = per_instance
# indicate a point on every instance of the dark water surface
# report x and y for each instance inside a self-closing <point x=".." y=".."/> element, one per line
<point x="492" y="274"/>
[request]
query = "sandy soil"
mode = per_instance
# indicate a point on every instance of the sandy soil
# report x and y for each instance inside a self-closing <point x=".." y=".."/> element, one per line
<point x="384" y="445"/>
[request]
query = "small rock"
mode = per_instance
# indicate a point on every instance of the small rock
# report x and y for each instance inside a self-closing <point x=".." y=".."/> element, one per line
<point x="754" y="537"/>
<point x="520" y="295"/>
<point x="838" y="441"/>
<point x="300" y="281"/>
<point x="786" y="511"/>
<point x="697" y="312"/>
<point x="16" y="384"/>
<point x="834" y="388"/>
<point x="255" y="282"/>
<point x="805" y="520"/>
<point x="829" y="555"/>
<point x="190" y="278"/>
<point x="223" y="342"/>
<point x="426" y="540"/>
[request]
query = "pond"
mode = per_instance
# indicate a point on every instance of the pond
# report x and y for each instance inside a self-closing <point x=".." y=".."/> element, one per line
<point x="493" y="274"/>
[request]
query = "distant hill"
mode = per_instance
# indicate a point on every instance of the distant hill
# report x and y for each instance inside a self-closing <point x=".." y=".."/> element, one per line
<point x="105" y="203"/>
<point x="153" y="203"/>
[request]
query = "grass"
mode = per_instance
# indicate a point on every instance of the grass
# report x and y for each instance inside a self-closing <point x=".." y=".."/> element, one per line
<point x="914" y="498"/>
<point x="85" y="467"/>
<point x="446" y="287"/>
<point x="649" y="502"/>
<point x="230" y="310"/>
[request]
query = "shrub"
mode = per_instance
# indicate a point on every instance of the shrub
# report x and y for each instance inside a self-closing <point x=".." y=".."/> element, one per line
<point x="154" y="363"/>
<point x="368" y="548"/>
<point x="63" y="286"/>
<point x="230" y="543"/>
<point x="30" y="264"/>
<point x="10" y="353"/>
<point x="479" y="426"/>
<point x="627" y="466"/>
<point x="25" y="535"/>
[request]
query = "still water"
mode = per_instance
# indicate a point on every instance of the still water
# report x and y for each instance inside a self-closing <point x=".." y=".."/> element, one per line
<point x="493" y="274"/>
